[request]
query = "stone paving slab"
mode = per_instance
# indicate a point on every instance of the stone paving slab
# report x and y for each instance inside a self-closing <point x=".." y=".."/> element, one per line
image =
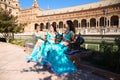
<point x="14" y="67"/>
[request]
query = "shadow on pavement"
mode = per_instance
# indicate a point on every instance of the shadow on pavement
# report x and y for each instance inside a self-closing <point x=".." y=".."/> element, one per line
<point x="79" y="75"/>
<point x="37" y="68"/>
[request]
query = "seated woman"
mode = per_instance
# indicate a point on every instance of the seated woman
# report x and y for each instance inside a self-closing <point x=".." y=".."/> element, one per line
<point x="37" y="35"/>
<point x="49" y="39"/>
<point x="54" y="53"/>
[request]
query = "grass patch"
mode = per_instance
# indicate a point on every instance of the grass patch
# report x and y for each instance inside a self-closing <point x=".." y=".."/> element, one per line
<point x="21" y="42"/>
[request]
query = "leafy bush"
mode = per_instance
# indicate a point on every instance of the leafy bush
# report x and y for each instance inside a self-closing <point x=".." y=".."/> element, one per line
<point x="110" y="58"/>
<point x="107" y="58"/>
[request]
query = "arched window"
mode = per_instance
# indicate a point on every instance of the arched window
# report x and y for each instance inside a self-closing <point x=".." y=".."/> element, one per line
<point x="115" y="21"/>
<point x="103" y="21"/>
<point x="92" y="22"/>
<point x="61" y="24"/>
<point x="83" y="23"/>
<point x="75" y="22"/>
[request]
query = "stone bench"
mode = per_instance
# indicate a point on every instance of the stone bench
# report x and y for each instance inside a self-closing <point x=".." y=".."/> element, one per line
<point x="31" y="45"/>
<point x="28" y="47"/>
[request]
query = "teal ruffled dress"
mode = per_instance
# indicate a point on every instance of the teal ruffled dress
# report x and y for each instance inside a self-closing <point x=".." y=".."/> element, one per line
<point x="54" y="55"/>
<point x="38" y="51"/>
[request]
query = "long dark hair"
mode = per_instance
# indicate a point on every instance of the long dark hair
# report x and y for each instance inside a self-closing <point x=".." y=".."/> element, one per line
<point x="54" y="27"/>
<point x="71" y="25"/>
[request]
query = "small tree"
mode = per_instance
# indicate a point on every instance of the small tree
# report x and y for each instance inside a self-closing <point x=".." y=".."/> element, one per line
<point x="9" y="24"/>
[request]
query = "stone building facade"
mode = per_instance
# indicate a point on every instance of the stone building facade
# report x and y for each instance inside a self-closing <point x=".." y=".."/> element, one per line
<point x="88" y="19"/>
<point x="12" y="6"/>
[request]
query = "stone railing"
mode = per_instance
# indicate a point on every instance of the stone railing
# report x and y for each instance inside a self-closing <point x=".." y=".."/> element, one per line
<point x="99" y="30"/>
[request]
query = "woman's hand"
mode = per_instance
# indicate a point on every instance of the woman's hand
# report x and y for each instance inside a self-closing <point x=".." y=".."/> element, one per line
<point x="66" y="40"/>
<point x="41" y="59"/>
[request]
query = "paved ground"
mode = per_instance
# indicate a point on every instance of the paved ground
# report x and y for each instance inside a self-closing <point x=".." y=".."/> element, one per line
<point x="14" y="67"/>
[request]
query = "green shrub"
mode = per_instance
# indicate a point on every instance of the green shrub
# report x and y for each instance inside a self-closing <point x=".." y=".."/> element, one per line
<point x="107" y="58"/>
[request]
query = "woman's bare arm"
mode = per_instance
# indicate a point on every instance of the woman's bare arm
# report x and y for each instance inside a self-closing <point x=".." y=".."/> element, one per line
<point x="73" y="38"/>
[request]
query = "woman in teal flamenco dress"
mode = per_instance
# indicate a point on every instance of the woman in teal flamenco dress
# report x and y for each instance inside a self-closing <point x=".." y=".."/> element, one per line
<point x="44" y="40"/>
<point x="55" y="55"/>
<point x="38" y="42"/>
<point x="48" y="41"/>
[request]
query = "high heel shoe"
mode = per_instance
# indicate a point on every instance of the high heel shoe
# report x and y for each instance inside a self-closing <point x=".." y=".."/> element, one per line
<point x="27" y="59"/>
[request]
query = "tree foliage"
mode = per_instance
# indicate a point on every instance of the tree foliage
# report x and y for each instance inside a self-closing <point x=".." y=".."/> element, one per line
<point x="9" y="24"/>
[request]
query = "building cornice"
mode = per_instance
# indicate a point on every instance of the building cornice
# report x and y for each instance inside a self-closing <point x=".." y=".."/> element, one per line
<point x="85" y="7"/>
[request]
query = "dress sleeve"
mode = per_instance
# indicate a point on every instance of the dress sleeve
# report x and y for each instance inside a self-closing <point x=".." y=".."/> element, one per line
<point x="71" y="32"/>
